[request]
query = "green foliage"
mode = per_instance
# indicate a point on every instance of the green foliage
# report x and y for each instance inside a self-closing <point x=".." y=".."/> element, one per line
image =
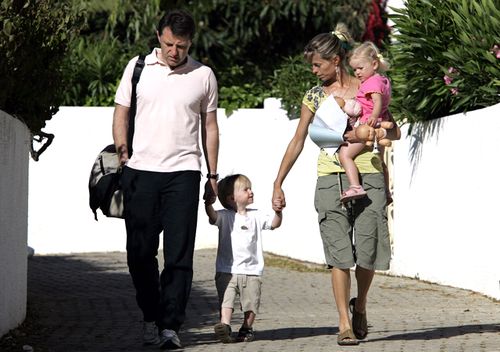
<point x="244" y="41"/>
<point x="116" y="31"/>
<point x="34" y="38"/>
<point x="247" y="95"/>
<point x="454" y="38"/>
<point x="259" y="36"/>
<point x="238" y="31"/>
<point x="290" y="81"/>
<point x="94" y="73"/>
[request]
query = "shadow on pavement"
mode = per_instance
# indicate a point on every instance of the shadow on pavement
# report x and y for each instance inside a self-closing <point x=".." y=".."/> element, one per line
<point x="442" y="332"/>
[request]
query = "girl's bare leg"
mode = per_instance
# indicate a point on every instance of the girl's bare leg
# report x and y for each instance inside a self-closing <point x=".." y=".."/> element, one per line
<point x="347" y="153"/>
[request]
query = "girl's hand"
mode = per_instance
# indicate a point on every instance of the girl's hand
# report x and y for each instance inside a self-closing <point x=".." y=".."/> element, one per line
<point x="372" y="121"/>
<point x="350" y="136"/>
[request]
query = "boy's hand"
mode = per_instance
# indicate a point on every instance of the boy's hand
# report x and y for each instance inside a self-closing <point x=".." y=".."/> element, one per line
<point x="210" y="199"/>
<point x="278" y="206"/>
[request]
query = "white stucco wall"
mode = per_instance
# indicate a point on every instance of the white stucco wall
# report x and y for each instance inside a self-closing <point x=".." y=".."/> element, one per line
<point x="14" y="154"/>
<point x="446" y="202"/>
<point x="252" y="141"/>
<point x="430" y="236"/>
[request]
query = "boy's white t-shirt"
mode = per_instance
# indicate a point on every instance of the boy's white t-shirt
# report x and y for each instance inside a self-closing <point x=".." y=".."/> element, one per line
<point x="240" y="241"/>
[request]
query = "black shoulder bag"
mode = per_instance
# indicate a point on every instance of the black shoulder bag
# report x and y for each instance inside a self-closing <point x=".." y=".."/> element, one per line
<point x="105" y="190"/>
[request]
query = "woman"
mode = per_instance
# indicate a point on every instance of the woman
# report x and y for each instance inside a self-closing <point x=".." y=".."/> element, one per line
<point x="327" y="53"/>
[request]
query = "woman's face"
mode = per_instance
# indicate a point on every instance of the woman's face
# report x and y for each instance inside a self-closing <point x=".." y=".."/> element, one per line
<point x="324" y="69"/>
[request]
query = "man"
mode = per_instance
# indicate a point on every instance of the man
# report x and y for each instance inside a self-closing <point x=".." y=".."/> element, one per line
<point x="161" y="181"/>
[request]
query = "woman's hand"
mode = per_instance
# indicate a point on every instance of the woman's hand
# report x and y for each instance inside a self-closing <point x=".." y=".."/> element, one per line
<point x="278" y="202"/>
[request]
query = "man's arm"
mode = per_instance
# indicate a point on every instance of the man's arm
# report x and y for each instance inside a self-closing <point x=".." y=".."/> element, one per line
<point x="120" y="129"/>
<point x="210" y="144"/>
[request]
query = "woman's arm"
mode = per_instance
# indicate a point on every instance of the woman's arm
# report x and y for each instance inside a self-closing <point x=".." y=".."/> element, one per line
<point x="394" y="133"/>
<point x="292" y="153"/>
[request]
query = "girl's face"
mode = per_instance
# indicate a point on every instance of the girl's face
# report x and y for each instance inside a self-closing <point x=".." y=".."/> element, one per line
<point x="243" y="195"/>
<point x="363" y="68"/>
<point x="324" y="69"/>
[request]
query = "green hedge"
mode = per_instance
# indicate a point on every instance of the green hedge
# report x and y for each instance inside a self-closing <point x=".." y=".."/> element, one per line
<point x="34" y="37"/>
<point x="445" y="58"/>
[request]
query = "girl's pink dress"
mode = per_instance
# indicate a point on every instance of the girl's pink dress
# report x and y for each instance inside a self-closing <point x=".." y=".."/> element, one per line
<point x="375" y="84"/>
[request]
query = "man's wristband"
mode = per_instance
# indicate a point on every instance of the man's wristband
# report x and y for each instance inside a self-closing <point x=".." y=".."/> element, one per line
<point x="214" y="176"/>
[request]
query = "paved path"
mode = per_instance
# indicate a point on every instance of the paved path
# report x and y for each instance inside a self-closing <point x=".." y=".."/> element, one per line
<point x="85" y="302"/>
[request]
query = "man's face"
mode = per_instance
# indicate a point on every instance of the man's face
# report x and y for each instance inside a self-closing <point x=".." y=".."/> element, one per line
<point x="174" y="50"/>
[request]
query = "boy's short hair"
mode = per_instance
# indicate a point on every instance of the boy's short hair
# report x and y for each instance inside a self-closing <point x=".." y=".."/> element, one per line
<point x="226" y="188"/>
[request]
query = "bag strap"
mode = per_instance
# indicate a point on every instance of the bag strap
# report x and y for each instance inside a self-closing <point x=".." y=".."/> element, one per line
<point x="139" y="65"/>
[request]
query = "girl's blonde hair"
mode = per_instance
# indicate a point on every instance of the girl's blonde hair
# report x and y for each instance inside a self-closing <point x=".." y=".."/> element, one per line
<point x="369" y="51"/>
<point x="226" y="188"/>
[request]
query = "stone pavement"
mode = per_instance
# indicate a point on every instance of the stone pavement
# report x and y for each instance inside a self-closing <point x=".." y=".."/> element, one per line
<point x="85" y="302"/>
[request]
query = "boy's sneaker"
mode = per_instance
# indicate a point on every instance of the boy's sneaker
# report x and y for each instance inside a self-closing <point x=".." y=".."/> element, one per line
<point x="150" y="333"/>
<point x="245" y="335"/>
<point x="169" y="340"/>
<point x="223" y="333"/>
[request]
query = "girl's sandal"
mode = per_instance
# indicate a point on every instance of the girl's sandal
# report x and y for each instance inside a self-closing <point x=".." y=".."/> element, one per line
<point x="353" y="192"/>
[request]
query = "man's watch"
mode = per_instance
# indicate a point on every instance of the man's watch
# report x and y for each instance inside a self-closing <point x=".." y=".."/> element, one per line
<point x="214" y="176"/>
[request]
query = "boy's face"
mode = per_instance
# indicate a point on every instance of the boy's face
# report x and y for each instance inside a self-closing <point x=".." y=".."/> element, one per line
<point x="243" y="195"/>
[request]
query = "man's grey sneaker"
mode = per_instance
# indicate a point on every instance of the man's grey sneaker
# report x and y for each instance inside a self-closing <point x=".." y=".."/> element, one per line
<point x="245" y="335"/>
<point x="169" y="340"/>
<point x="223" y="333"/>
<point x="150" y="333"/>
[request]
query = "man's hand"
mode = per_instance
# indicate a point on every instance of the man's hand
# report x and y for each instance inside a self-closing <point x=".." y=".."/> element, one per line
<point x="210" y="195"/>
<point x="122" y="154"/>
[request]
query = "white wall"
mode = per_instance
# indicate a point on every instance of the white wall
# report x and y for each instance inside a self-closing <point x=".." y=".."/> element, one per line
<point x="430" y="236"/>
<point x="446" y="202"/>
<point x="14" y="153"/>
<point x="252" y="142"/>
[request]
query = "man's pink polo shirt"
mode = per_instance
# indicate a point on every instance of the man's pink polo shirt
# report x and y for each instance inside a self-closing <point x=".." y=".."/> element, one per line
<point x="169" y="103"/>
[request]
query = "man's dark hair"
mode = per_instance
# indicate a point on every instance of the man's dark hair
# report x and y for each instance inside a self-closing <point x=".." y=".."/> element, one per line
<point x="180" y="22"/>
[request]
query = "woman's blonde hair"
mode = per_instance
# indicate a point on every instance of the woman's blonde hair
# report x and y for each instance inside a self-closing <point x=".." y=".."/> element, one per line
<point x="329" y="45"/>
<point x="369" y="51"/>
<point x="226" y="188"/>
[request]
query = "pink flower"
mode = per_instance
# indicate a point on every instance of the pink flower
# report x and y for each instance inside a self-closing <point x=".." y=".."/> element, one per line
<point x="495" y="51"/>
<point x="454" y="91"/>
<point x="451" y="70"/>
<point x="447" y="79"/>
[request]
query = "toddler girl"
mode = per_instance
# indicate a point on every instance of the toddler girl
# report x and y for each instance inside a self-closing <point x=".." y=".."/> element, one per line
<point x="374" y="96"/>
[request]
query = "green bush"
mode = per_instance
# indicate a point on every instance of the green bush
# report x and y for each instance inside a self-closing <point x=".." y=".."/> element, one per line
<point x="242" y="40"/>
<point x="34" y="38"/>
<point x="94" y="70"/>
<point x="290" y="81"/>
<point x="116" y="31"/>
<point x="444" y="58"/>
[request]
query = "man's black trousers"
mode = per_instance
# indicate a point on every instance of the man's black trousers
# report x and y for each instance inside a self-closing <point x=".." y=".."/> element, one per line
<point x="156" y="202"/>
